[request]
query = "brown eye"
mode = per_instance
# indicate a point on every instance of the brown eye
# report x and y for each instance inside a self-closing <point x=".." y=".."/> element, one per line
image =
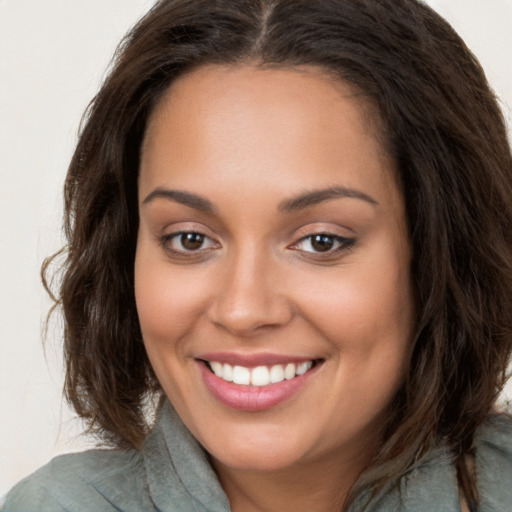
<point x="192" y="241"/>
<point x="188" y="245"/>
<point x="322" y="243"/>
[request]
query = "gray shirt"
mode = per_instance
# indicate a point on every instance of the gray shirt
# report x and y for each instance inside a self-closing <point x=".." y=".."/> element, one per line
<point x="171" y="473"/>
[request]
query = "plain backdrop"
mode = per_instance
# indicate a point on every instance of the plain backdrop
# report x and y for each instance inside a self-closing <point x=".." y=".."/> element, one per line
<point x="53" y="55"/>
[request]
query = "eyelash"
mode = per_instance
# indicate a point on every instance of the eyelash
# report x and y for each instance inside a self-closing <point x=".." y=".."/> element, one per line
<point x="167" y="240"/>
<point x="342" y="244"/>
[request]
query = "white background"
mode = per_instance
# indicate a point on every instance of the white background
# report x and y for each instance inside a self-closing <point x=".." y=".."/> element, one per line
<point x="53" y="54"/>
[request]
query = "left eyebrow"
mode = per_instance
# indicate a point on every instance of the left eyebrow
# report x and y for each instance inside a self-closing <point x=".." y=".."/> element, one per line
<point x="180" y="196"/>
<point x="314" y="197"/>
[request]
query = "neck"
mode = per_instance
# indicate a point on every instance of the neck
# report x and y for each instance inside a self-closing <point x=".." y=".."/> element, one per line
<point x="313" y="486"/>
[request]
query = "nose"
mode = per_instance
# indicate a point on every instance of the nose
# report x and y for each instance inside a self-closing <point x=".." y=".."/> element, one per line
<point x="248" y="300"/>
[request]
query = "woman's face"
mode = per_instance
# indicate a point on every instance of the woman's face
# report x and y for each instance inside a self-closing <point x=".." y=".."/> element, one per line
<point x="272" y="270"/>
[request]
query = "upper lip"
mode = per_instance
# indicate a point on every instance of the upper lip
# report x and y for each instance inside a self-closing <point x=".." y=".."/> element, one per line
<point x="253" y="360"/>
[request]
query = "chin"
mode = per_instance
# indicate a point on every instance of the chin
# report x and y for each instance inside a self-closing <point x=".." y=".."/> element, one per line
<point x="257" y="458"/>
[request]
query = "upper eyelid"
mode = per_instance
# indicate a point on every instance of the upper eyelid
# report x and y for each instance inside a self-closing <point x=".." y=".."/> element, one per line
<point x="327" y="232"/>
<point x="302" y="233"/>
<point x="340" y="232"/>
<point x="175" y="234"/>
<point x="339" y="238"/>
<point x="177" y="228"/>
<point x="166" y="242"/>
<point x="325" y="228"/>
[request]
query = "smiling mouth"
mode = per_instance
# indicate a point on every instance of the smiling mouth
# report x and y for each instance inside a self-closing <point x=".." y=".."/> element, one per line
<point x="260" y="375"/>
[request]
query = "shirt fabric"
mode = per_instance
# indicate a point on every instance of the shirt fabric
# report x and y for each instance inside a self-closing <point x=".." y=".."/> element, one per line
<point x="171" y="473"/>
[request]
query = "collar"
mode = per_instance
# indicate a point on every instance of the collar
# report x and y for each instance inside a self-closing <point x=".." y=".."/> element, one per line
<point x="179" y="475"/>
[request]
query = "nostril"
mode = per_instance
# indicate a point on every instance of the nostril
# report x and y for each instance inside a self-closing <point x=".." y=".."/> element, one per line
<point x="245" y="318"/>
<point x="248" y="306"/>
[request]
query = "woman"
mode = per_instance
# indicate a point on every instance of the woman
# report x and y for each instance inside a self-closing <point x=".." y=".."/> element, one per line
<point x="291" y="221"/>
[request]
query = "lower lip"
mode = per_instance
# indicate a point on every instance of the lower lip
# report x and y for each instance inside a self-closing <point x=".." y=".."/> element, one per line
<point x="253" y="398"/>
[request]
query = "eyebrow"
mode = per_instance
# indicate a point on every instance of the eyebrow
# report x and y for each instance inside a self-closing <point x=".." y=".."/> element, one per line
<point x="299" y="202"/>
<point x="311" y="198"/>
<point x="179" y="196"/>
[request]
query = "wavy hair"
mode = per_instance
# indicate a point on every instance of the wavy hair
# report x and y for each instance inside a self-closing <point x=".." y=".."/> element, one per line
<point x="439" y="120"/>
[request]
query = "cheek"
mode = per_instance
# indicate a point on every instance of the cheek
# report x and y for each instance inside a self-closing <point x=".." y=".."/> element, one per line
<point x="359" y="311"/>
<point x="366" y="312"/>
<point x="168" y="302"/>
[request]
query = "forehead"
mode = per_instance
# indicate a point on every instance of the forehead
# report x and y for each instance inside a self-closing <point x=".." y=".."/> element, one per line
<point x="250" y="123"/>
<point x="219" y="87"/>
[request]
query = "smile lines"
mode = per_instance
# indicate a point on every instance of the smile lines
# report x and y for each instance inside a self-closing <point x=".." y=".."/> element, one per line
<point x="260" y="375"/>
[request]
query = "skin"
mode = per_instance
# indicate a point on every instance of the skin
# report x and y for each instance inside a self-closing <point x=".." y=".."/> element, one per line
<point x="248" y="140"/>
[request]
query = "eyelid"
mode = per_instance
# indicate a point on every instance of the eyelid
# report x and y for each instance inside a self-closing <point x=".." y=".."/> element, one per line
<point x="178" y="234"/>
<point x="341" y="241"/>
<point x="344" y="240"/>
<point x="169" y="238"/>
<point x="171" y="229"/>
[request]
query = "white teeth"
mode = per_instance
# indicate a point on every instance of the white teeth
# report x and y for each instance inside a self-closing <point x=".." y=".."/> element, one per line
<point x="227" y="372"/>
<point x="276" y="374"/>
<point x="289" y="371"/>
<point x="241" y="375"/>
<point x="217" y="368"/>
<point x="260" y="375"/>
<point x="304" y="367"/>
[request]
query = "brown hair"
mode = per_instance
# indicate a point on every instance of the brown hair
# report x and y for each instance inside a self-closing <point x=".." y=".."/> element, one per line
<point x="441" y="123"/>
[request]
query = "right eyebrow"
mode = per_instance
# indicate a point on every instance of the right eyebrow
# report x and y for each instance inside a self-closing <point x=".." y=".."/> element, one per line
<point x="180" y="196"/>
<point x="313" y="197"/>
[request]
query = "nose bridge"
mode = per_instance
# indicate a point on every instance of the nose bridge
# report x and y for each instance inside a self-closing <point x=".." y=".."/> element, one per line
<point x="248" y="297"/>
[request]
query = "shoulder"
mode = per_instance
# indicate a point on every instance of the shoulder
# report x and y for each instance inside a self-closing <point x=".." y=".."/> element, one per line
<point x="96" y="480"/>
<point x="493" y="457"/>
<point x="432" y="483"/>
